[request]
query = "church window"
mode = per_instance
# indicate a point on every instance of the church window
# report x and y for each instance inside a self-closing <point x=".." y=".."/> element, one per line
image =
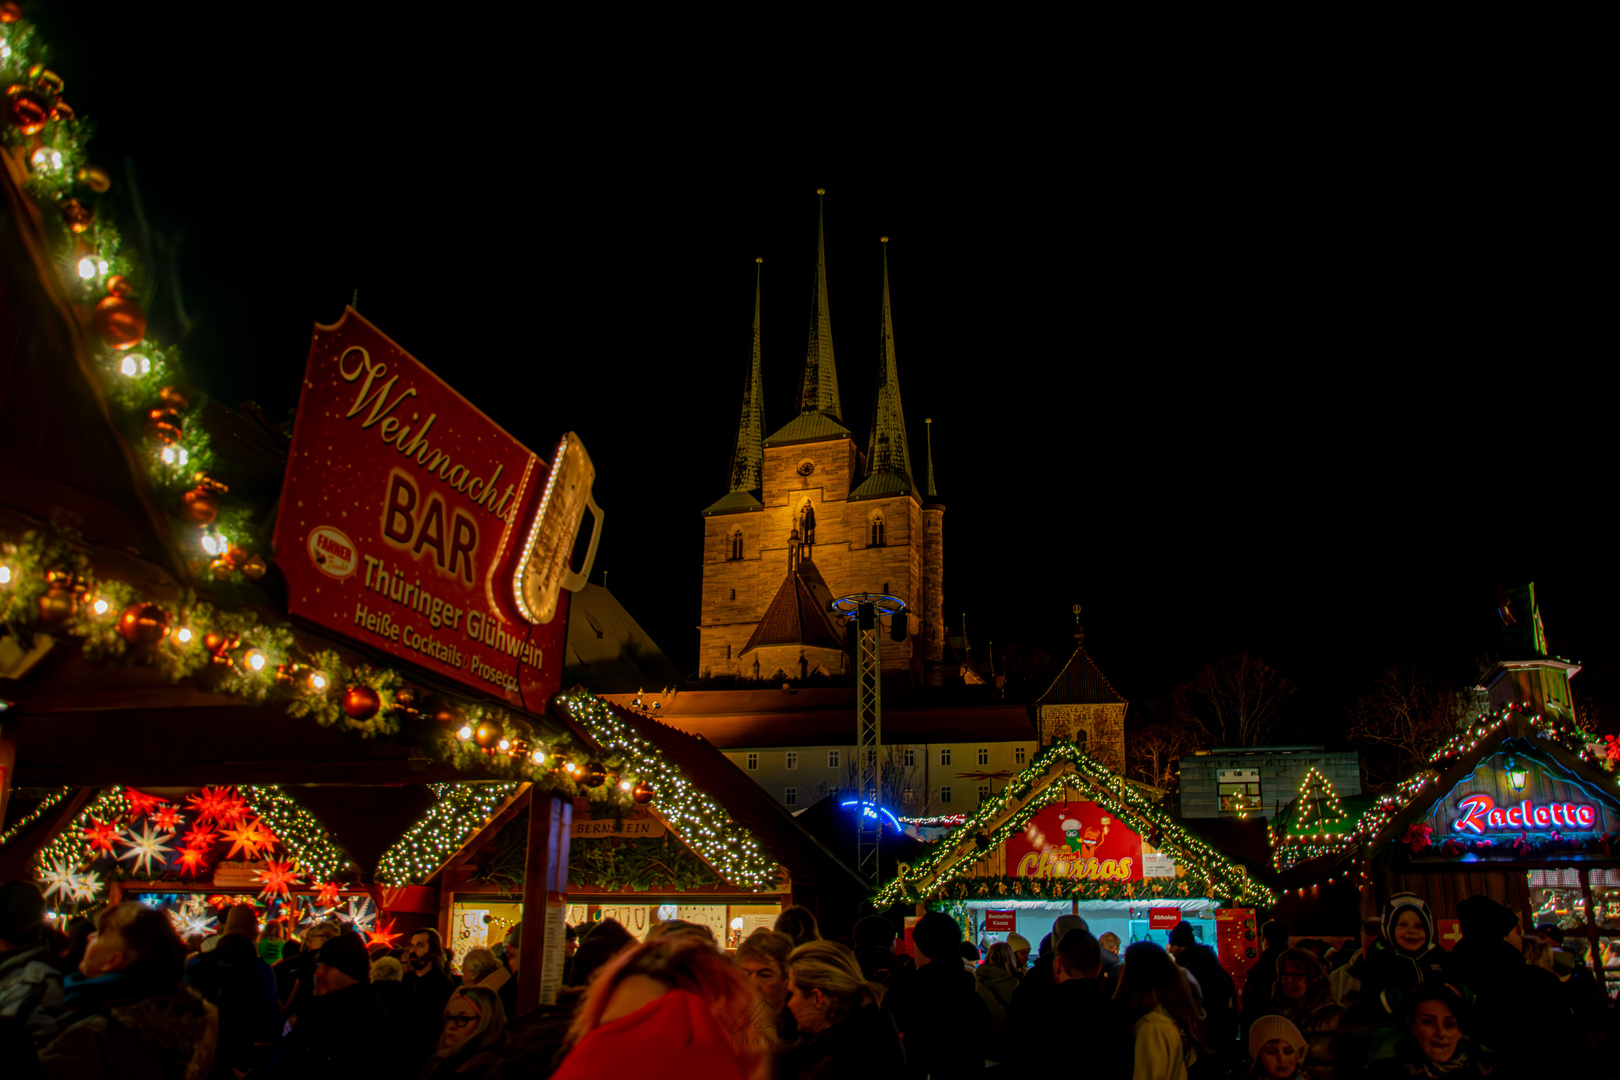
<point x="1018" y="755"/>
<point x="944" y="794"/>
<point x="911" y="758"/>
<point x="945" y="756"/>
<point x="832" y="759"/>
<point x="791" y="796"/>
<point x="753" y="762"/>
<point x="736" y="544"/>
<point x="807" y="524"/>
<point x="877" y="531"/>
<point x="792" y="760"/>
<point x="984" y="755"/>
<point x="728" y="652"/>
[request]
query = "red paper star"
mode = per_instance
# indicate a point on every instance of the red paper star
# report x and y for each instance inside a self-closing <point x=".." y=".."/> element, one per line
<point x="326" y="894"/>
<point x="192" y="861"/>
<point x="251" y="839"/>
<point x="140" y="804"/>
<point x="168" y="818"/>
<point x="200" y="838"/>
<point x="220" y="804"/>
<point x="277" y="879"/>
<point x="384" y="934"/>
<point x="101" y="834"/>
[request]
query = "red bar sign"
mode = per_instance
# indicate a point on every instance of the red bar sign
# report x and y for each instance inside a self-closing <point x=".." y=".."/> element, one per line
<point x="1000" y="922"/>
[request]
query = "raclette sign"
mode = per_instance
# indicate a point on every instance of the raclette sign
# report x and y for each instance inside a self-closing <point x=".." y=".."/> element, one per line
<point x="412" y="523"/>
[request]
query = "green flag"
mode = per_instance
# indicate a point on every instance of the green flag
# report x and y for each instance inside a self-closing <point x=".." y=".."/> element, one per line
<point x="1523" y="635"/>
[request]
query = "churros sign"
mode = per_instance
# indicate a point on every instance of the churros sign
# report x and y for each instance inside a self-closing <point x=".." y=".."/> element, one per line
<point x="412" y="523"/>
<point x="1078" y="840"/>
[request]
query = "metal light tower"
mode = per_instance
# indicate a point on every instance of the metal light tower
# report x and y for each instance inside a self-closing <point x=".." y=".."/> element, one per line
<point x="866" y="609"/>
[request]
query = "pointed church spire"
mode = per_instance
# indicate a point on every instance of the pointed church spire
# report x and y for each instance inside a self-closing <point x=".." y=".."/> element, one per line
<point x="747" y="453"/>
<point x="818" y="393"/>
<point x="928" y="487"/>
<point x="887" y="450"/>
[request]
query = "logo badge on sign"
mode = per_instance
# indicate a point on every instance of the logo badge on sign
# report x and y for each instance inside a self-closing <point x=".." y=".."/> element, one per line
<point x="332" y="551"/>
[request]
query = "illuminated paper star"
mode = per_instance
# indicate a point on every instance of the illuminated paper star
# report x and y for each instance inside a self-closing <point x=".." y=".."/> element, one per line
<point x="192" y="861"/>
<point x="146" y="847"/>
<point x="200" y="839"/>
<point x="60" y="878"/>
<point x="326" y="894"/>
<point x="251" y="839"/>
<point x="207" y="802"/>
<point x="384" y="934"/>
<point x="361" y="913"/>
<point x="168" y="818"/>
<point x="140" y="803"/>
<point x="100" y="836"/>
<point x="87" y="887"/>
<point x="278" y="879"/>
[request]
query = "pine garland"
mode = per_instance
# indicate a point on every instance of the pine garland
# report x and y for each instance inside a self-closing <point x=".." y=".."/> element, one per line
<point x="461" y="811"/>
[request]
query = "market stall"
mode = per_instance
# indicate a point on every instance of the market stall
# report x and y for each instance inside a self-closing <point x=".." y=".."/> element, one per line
<point x="1068" y="836"/>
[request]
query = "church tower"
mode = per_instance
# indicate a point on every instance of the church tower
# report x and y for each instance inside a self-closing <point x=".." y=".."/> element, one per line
<point x="817" y="518"/>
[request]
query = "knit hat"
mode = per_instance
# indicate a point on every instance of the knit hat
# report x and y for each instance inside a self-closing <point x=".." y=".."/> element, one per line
<point x="1267" y="1028"/>
<point x="1410" y="902"/>
<point x="22" y="912"/>
<point x="1482" y="918"/>
<point x="1018" y="941"/>
<point x="1063" y="925"/>
<point x="347" y="953"/>
<point x="1182" y="934"/>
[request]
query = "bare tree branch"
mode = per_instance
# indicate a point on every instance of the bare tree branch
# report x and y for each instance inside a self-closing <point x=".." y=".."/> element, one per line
<point x="1236" y="701"/>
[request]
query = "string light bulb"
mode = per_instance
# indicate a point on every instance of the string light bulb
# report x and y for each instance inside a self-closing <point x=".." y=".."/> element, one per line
<point x="183" y="635"/>
<point x="254" y="659"/>
<point x="101" y="607"/>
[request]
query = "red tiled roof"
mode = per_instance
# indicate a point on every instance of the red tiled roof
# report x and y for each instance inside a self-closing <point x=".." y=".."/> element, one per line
<point x="708" y="770"/>
<point x="798" y="614"/>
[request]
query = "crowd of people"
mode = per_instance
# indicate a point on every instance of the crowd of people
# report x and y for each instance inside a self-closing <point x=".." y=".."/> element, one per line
<point x="126" y="997"/>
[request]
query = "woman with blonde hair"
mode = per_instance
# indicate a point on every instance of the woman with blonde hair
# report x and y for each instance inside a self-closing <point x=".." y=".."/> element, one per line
<point x="845" y="1033"/>
<point x="676" y="1001"/>
<point x="763" y="959"/>
<point x="1165" y="1023"/>
<point x="472" y="1037"/>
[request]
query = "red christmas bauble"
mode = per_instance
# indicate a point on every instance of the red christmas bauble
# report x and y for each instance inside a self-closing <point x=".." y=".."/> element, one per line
<point x="143" y="625"/>
<point x="643" y="794"/>
<point x="77" y="215"/>
<point x="120" y="322"/>
<point x="595" y="774"/>
<point x="163" y="426"/>
<point x="28" y="110"/>
<point x="361" y="703"/>
<point x="10" y="11"/>
<point x="201" y="504"/>
<point x="488" y="733"/>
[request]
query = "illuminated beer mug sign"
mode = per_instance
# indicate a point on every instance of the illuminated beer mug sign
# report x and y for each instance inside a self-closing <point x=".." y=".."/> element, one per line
<point x="543" y="571"/>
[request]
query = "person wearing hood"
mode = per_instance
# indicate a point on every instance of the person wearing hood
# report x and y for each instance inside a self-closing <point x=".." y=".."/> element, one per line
<point x="1406" y="955"/>
<point x="129" y="1014"/>
<point x="30" y="984"/>
<point x="1515" y="1003"/>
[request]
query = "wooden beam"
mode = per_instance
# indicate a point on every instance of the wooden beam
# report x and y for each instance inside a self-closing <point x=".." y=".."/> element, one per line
<point x="545" y="898"/>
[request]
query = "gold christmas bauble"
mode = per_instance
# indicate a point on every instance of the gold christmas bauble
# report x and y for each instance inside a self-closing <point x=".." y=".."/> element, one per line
<point x="488" y="733"/>
<point x="78" y="216"/>
<point x="254" y="567"/>
<point x="58" y="605"/>
<point x="201" y="504"/>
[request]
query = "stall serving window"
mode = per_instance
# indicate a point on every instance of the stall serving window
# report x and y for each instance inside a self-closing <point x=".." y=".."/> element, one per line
<point x="1238" y="789"/>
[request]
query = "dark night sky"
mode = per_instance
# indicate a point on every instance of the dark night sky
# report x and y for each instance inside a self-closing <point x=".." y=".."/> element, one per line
<point x="1308" y="380"/>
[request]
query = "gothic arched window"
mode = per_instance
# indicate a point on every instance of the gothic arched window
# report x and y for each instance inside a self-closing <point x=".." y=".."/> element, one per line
<point x="736" y="544"/>
<point x="877" y="530"/>
<point x="807" y="524"/>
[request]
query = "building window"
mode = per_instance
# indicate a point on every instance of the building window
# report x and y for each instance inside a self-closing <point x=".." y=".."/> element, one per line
<point x="984" y="755"/>
<point x="945" y="756"/>
<point x="1238" y="789"/>
<point x="908" y="796"/>
<point x="944" y="794"/>
<point x="877" y="532"/>
<point x="728" y="652"/>
<point x="753" y="762"/>
<point x="734" y="594"/>
<point x="792" y="760"/>
<point x="832" y="759"/>
<point x="791" y="797"/>
<point x="911" y="758"/>
<point x="1018" y="755"/>
<point x="736" y="546"/>
<point x="984" y="793"/>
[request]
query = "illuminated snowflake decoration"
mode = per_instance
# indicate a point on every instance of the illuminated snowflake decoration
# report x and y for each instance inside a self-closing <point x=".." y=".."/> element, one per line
<point x="146" y="847"/>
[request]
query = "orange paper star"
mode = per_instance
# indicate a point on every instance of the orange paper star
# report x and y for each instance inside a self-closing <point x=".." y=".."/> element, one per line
<point x="200" y="838"/>
<point x="251" y="839"/>
<point x="101" y="834"/>
<point x="208" y="803"/>
<point x="326" y="894"/>
<point x="192" y="861"/>
<point x="168" y="818"/>
<point x="384" y="934"/>
<point x="278" y="878"/>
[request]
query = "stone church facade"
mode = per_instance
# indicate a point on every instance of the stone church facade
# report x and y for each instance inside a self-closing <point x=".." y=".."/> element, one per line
<point x="811" y="515"/>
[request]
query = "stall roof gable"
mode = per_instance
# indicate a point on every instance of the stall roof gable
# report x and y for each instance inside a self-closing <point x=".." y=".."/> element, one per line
<point x="1514" y="727"/>
<point x="1062" y="764"/>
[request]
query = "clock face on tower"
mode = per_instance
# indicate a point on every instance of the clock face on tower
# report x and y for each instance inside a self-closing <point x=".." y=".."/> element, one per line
<point x="806" y="468"/>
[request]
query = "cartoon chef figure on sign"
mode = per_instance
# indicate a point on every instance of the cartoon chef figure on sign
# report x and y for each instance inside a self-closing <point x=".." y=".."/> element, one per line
<point x="1085" y="839"/>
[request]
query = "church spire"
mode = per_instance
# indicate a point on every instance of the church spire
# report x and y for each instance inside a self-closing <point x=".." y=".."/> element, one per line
<point x="928" y="487"/>
<point x="818" y="393"/>
<point x="887" y="450"/>
<point x="747" y="453"/>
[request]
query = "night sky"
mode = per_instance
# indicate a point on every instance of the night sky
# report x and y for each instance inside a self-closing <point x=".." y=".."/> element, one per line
<point x="1227" y="379"/>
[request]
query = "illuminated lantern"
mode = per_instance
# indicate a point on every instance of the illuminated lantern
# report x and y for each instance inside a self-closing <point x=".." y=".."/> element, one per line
<point x="361" y="703"/>
<point x="1516" y="776"/>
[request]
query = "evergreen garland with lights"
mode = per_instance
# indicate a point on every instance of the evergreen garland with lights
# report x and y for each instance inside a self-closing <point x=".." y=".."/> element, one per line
<point x="700" y="821"/>
<point x="310" y="842"/>
<point x="28" y="819"/>
<point x="461" y="811"/>
<point x="1221" y="877"/>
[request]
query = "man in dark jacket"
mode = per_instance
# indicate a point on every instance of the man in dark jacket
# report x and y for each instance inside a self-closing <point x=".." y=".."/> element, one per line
<point x="1515" y="1004"/>
<point x="243" y="988"/>
<point x="427" y="982"/>
<point x="874" y="950"/>
<point x="1218" y="994"/>
<point x="128" y="1013"/>
<point x="1257" y="987"/>
<point x="1080" y="998"/>
<point x="937" y="1006"/>
<point x="30" y="984"/>
<point x="343" y="1030"/>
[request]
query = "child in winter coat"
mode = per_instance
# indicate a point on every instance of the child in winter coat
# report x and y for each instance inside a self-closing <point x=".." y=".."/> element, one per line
<point x="1277" y="1049"/>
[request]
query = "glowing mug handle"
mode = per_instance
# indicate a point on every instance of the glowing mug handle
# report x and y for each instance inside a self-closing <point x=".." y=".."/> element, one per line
<point x="571" y="580"/>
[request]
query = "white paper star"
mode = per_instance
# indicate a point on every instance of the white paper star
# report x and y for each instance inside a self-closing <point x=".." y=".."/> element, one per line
<point x="87" y="887"/>
<point x="145" y="847"/>
<point x="60" y="878"/>
<point x="362" y="913"/>
<point x="193" y="917"/>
